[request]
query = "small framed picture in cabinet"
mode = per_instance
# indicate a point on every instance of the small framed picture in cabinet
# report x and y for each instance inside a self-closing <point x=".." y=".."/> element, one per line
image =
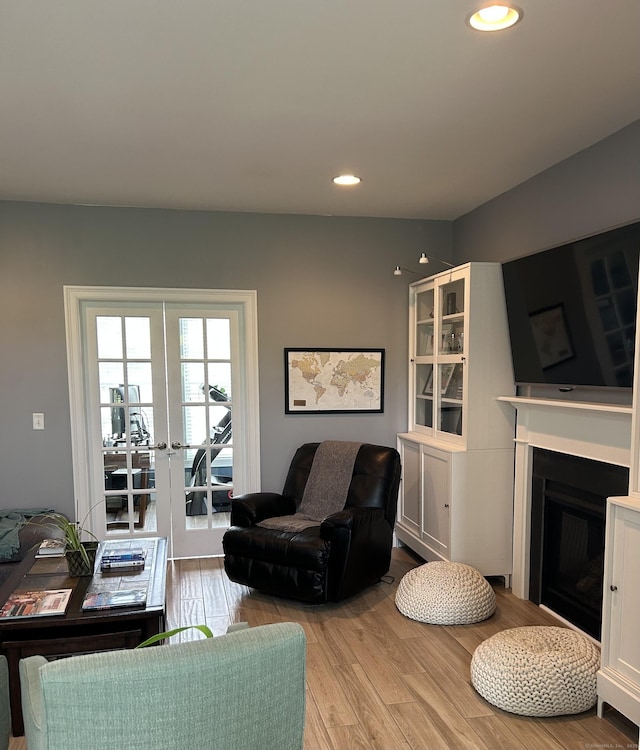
<point x="446" y="373"/>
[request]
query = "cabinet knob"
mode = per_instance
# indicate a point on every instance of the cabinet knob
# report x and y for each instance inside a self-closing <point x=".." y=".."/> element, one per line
<point x="613" y="588"/>
<point x="446" y="505"/>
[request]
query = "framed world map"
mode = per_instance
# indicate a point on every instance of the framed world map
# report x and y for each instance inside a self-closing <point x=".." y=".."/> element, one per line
<point x="333" y="381"/>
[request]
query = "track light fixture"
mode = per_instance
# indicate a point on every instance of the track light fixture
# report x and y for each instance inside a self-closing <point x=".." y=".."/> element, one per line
<point x="397" y="271"/>
<point x="424" y="258"/>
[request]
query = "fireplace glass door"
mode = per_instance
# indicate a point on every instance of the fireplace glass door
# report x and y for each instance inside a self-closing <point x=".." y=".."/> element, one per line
<point x="568" y="506"/>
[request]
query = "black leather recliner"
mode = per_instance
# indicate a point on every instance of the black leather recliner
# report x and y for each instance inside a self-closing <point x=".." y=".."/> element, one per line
<point x="336" y="559"/>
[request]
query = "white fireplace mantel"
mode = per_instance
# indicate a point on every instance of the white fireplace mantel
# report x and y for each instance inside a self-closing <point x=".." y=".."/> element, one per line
<point x="601" y="432"/>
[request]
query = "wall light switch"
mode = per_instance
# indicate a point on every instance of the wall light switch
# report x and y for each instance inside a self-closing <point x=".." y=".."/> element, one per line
<point x="38" y="421"/>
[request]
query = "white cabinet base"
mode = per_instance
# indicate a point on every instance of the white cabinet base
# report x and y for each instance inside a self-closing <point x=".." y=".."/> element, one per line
<point x="456" y="505"/>
<point x="619" y="675"/>
<point x="618" y="692"/>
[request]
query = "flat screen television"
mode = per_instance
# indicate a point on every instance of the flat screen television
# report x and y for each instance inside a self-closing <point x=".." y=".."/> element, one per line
<point x="572" y="311"/>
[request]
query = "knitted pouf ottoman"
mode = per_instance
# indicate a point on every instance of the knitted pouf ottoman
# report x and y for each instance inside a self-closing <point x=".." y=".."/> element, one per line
<point x="445" y="593"/>
<point x="537" y="671"/>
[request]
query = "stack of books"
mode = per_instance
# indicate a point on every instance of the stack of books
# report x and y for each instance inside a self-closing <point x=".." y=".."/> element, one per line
<point x="120" y="560"/>
<point x="51" y="548"/>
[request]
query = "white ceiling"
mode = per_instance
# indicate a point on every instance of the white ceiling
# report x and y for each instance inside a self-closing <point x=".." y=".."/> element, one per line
<point x="254" y="105"/>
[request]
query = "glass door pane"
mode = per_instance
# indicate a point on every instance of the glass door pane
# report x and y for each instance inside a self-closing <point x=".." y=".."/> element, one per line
<point x="423" y="359"/>
<point x="202" y="404"/>
<point x="451" y="397"/>
<point x="453" y="318"/>
<point x="424" y="395"/>
<point x="123" y="344"/>
<point x="451" y="357"/>
<point x="424" y="323"/>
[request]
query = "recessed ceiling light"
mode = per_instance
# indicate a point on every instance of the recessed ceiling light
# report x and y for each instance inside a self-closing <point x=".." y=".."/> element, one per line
<point x="495" y="17"/>
<point x="346" y="179"/>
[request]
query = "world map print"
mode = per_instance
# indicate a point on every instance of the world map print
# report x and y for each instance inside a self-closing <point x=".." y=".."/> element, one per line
<point x="331" y="380"/>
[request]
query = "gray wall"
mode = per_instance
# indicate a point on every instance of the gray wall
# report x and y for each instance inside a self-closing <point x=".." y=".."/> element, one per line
<point x="595" y="190"/>
<point x="321" y="282"/>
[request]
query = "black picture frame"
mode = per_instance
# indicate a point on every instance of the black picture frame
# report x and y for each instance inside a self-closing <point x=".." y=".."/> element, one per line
<point x="551" y="335"/>
<point x="428" y="385"/>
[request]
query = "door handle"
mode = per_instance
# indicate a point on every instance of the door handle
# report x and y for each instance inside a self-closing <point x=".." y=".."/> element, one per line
<point x="162" y="446"/>
<point x="176" y="445"/>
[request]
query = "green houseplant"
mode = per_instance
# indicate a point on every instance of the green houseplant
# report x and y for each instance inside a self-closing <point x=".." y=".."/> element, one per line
<point x="204" y="629"/>
<point x="168" y="633"/>
<point x="80" y="555"/>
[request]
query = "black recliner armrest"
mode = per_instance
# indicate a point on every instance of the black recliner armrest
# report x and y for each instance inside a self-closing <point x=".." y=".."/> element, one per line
<point x="352" y="519"/>
<point x="253" y="507"/>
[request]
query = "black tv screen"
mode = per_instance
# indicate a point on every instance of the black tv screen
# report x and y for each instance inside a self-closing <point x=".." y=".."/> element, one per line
<point x="572" y="311"/>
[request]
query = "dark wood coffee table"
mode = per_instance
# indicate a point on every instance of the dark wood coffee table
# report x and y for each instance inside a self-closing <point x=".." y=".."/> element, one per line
<point x="77" y="631"/>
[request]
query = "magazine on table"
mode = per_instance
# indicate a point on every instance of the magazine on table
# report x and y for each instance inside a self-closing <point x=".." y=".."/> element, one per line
<point x="112" y="599"/>
<point x="36" y="603"/>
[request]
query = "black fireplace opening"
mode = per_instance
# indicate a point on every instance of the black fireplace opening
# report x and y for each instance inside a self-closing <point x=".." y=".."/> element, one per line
<point x="568" y="506"/>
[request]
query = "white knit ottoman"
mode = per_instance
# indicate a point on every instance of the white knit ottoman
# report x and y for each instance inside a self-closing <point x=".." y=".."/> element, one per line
<point x="445" y="593"/>
<point x="537" y="671"/>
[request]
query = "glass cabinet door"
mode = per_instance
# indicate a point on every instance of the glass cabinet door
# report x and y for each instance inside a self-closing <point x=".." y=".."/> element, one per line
<point x="423" y="409"/>
<point x="452" y="318"/>
<point x="438" y="356"/>
<point x="451" y="351"/>
<point x="424" y="346"/>
<point x="424" y="323"/>
<point x="450" y="402"/>
<point x="451" y="357"/>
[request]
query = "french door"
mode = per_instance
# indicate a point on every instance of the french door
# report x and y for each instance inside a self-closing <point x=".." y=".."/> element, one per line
<point x="164" y="411"/>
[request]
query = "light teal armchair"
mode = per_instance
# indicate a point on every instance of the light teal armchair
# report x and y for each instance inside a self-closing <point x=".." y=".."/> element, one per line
<point x="5" y="717"/>
<point x="241" y="691"/>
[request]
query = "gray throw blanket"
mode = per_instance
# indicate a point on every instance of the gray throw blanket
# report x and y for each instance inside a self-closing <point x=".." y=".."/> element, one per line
<point x="326" y="489"/>
<point x="11" y="521"/>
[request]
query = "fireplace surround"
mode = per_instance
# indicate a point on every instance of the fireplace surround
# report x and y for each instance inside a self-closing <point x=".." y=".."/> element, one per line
<point x="597" y="431"/>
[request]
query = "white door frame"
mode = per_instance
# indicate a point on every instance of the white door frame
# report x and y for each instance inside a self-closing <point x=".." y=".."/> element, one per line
<point x="248" y="475"/>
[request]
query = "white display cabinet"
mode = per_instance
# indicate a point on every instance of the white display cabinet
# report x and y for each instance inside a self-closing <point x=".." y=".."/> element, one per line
<point x="457" y="491"/>
<point x="460" y="358"/>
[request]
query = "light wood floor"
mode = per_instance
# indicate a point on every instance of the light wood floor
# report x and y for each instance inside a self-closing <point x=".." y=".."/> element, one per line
<point x="379" y="681"/>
